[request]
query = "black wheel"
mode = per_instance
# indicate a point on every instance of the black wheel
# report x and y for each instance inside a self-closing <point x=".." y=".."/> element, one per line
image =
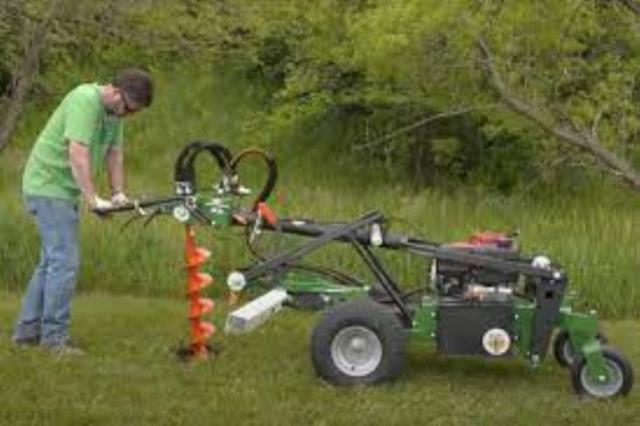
<point x="564" y="352"/>
<point x="358" y="342"/>
<point x="620" y="371"/>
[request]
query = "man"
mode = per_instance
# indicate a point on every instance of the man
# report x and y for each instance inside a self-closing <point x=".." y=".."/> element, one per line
<point x="83" y="133"/>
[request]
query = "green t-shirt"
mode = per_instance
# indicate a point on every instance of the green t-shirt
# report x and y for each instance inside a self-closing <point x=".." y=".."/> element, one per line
<point x="80" y="117"/>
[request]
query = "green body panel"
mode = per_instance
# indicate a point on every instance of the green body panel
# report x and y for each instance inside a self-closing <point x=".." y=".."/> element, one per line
<point x="300" y="282"/>
<point x="297" y="282"/>
<point x="583" y="332"/>
<point x="582" y="329"/>
<point x="218" y="209"/>
<point x="524" y="313"/>
<point x="425" y="320"/>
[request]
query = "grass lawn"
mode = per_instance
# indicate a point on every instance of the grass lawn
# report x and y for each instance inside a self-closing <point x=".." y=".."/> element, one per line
<point x="131" y="377"/>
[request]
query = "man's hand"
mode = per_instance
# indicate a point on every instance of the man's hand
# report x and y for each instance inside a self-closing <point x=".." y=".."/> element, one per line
<point x="119" y="199"/>
<point x="96" y="204"/>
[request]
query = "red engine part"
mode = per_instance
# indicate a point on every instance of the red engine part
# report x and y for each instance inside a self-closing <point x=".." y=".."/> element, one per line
<point x="491" y="239"/>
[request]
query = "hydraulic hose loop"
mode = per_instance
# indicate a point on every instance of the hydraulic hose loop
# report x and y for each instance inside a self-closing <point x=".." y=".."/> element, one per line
<point x="184" y="170"/>
<point x="222" y="154"/>
<point x="272" y="170"/>
<point x="181" y="171"/>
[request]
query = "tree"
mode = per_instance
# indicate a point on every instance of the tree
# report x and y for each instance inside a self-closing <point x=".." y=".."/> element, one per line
<point x="23" y="78"/>
<point x="567" y="69"/>
<point x="570" y="69"/>
<point x="40" y="36"/>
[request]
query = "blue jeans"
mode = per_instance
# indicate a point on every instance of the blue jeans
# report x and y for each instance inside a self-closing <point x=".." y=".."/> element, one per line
<point x="46" y="305"/>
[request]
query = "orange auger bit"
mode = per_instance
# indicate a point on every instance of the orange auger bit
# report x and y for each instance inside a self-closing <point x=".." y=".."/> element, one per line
<point x="198" y="306"/>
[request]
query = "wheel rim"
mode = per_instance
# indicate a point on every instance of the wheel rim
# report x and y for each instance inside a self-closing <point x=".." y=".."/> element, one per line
<point x="603" y="389"/>
<point x="356" y="351"/>
<point x="568" y="353"/>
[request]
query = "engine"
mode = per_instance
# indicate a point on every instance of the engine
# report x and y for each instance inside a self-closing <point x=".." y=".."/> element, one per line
<point x="452" y="279"/>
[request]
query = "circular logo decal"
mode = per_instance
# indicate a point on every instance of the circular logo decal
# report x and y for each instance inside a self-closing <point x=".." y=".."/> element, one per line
<point x="496" y="341"/>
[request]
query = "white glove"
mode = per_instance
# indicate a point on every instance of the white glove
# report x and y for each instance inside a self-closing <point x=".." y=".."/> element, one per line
<point x="100" y="203"/>
<point x="119" y="199"/>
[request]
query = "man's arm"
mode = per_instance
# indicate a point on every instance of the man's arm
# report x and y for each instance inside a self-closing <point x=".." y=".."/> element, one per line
<point x="115" y="167"/>
<point x="80" y="160"/>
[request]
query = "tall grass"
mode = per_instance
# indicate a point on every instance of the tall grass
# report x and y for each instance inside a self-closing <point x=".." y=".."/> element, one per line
<point x="595" y="236"/>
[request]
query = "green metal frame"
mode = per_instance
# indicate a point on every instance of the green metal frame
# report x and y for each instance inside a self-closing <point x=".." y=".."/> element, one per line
<point x="582" y="329"/>
<point x="425" y="320"/>
<point x="217" y="209"/>
<point x="583" y="336"/>
<point x="301" y="282"/>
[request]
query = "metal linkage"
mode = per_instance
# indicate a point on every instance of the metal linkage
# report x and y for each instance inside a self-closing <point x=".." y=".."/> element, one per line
<point x="548" y="295"/>
<point x="378" y="270"/>
<point x="521" y="265"/>
<point x="331" y="234"/>
<point x="416" y="246"/>
<point x="137" y="205"/>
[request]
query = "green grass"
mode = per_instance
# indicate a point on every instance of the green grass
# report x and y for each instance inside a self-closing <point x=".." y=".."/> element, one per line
<point x="593" y="236"/>
<point x="130" y="376"/>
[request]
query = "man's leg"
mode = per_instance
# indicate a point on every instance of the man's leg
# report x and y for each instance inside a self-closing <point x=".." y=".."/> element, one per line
<point x="27" y="328"/>
<point x="58" y="224"/>
<point x="29" y="321"/>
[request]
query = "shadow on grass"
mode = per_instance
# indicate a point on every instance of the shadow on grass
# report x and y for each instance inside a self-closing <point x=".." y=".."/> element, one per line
<point x="427" y="364"/>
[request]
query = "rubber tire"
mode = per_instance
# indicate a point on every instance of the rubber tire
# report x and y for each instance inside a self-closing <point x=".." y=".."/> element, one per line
<point x="376" y="318"/>
<point x="562" y="339"/>
<point x="612" y="355"/>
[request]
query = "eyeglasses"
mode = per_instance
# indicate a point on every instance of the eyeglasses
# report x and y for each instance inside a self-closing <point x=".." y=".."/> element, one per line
<point x="126" y="103"/>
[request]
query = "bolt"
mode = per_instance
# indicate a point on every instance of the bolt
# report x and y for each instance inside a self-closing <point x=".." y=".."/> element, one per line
<point x="535" y="359"/>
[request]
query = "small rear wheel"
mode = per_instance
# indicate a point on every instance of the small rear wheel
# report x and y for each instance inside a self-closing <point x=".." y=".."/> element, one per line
<point x="565" y="353"/>
<point x="620" y="379"/>
<point x="358" y="342"/>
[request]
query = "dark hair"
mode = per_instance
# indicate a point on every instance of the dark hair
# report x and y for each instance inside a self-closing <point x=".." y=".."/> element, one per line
<point x="136" y="84"/>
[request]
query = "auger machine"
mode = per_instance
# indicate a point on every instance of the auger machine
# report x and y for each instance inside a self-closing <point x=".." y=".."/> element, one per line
<point x="482" y="297"/>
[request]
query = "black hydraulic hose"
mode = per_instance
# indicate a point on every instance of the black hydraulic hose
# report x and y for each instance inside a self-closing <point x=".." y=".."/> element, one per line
<point x="188" y="153"/>
<point x="220" y="153"/>
<point x="181" y="172"/>
<point x="184" y="170"/>
<point x="271" y="166"/>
